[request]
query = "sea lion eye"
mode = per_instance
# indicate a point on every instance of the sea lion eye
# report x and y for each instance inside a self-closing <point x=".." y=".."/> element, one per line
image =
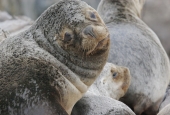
<point x="115" y="74"/>
<point x="92" y="15"/>
<point x="67" y="37"/>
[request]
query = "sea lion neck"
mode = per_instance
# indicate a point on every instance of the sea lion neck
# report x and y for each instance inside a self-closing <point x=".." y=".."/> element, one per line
<point x="111" y="10"/>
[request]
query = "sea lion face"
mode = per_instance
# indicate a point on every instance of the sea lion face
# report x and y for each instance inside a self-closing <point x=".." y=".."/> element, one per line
<point x="88" y="36"/>
<point x="115" y="81"/>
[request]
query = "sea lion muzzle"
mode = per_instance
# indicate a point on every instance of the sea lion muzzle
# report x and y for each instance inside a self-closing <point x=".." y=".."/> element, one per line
<point x="89" y="31"/>
<point x="96" y="37"/>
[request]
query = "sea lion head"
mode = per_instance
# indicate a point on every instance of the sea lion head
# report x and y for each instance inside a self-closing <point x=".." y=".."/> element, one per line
<point x="110" y="9"/>
<point x="114" y="81"/>
<point x="82" y="31"/>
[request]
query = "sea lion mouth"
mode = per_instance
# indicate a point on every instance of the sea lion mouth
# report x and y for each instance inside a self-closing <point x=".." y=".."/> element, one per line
<point x="101" y="45"/>
<point x="95" y="38"/>
<point x="103" y="42"/>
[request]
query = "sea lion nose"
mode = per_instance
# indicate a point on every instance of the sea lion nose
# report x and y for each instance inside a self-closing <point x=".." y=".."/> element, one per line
<point x="89" y="31"/>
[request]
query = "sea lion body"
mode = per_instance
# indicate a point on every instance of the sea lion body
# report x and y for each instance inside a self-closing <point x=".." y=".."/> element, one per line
<point x="48" y="67"/>
<point x="136" y="46"/>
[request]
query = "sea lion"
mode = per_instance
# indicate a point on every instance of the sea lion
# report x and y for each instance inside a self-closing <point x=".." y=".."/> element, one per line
<point x="112" y="82"/>
<point x="47" y="68"/>
<point x="100" y="105"/>
<point x="165" y="110"/>
<point x="136" y="46"/>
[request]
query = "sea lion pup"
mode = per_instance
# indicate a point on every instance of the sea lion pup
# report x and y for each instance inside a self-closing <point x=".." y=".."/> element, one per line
<point x="112" y="82"/>
<point x="165" y="110"/>
<point x="100" y="105"/>
<point x="135" y="46"/>
<point x="47" y="68"/>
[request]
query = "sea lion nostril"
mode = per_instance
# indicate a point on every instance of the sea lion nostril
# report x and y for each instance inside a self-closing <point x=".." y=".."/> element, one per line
<point x="89" y="31"/>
